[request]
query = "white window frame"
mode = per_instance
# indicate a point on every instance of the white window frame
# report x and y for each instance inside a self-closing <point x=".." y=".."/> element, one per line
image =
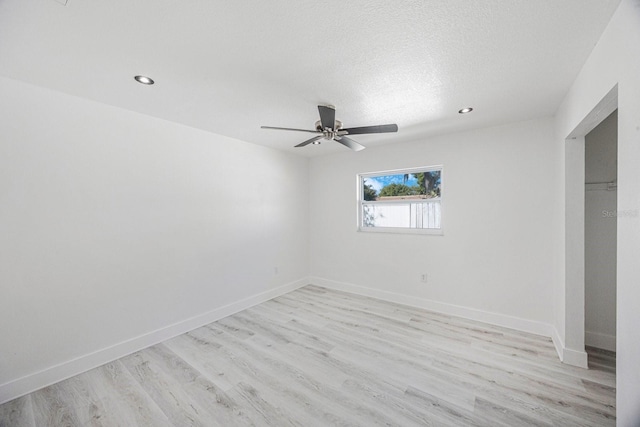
<point x="400" y="230"/>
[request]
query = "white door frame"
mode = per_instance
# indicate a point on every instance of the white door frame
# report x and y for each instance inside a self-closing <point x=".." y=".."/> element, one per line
<point x="574" y="352"/>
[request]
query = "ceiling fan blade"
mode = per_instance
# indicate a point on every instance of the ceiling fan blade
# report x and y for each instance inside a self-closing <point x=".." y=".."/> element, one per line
<point x="310" y="141"/>
<point x="348" y="142"/>
<point x="371" y="129"/>
<point x="297" y="130"/>
<point x="327" y="116"/>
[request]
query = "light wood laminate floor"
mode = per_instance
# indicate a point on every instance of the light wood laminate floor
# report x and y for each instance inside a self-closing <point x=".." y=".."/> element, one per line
<point x="318" y="357"/>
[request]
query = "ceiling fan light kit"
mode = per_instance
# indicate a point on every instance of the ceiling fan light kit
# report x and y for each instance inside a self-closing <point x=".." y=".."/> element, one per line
<point x="331" y="129"/>
<point x="144" y="80"/>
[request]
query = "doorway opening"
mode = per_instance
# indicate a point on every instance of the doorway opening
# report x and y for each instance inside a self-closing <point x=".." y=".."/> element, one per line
<point x="600" y="240"/>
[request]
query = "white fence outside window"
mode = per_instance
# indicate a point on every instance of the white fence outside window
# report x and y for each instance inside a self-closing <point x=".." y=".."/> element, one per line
<point x="415" y="214"/>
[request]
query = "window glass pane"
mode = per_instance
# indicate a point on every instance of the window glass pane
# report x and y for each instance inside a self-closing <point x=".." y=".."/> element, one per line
<point x="409" y="200"/>
<point x="419" y="185"/>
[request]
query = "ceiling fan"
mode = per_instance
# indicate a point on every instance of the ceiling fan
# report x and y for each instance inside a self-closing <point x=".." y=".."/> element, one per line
<point x="331" y="129"/>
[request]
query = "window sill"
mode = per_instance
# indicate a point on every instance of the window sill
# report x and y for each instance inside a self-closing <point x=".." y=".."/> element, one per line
<point x="394" y="230"/>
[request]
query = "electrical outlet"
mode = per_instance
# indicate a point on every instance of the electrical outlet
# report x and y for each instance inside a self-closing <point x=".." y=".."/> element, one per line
<point x="275" y="271"/>
<point x="423" y="277"/>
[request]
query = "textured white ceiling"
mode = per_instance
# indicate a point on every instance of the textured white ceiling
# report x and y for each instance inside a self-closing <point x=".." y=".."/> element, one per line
<point x="230" y="66"/>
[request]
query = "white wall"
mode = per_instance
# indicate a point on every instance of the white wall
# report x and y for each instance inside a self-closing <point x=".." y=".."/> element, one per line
<point x="616" y="60"/>
<point x="115" y="225"/>
<point x="495" y="260"/>
<point x="601" y="154"/>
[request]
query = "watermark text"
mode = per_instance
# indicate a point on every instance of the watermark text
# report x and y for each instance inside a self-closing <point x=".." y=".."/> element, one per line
<point x="630" y="213"/>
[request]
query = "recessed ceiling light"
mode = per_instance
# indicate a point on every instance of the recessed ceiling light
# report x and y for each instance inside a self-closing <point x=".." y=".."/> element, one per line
<point x="465" y="110"/>
<point x="144" y="80"/>
<point x="316" y="142"/>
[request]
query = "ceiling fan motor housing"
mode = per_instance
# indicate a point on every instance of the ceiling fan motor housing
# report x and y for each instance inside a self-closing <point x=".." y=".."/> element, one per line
<point x="338" y="126"/>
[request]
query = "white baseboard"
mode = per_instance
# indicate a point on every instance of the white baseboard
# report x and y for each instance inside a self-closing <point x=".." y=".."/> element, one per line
<point x="62" y="371"/>
<point x="512" y="322"/>
<point x="569" y="356"/>
<point x="575" y="358"/>
<point x="599" y="340"/>
<point x="557" y="342"/>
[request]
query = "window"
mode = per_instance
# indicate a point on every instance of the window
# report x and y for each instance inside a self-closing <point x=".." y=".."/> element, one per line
<point x="406" y="200"/>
